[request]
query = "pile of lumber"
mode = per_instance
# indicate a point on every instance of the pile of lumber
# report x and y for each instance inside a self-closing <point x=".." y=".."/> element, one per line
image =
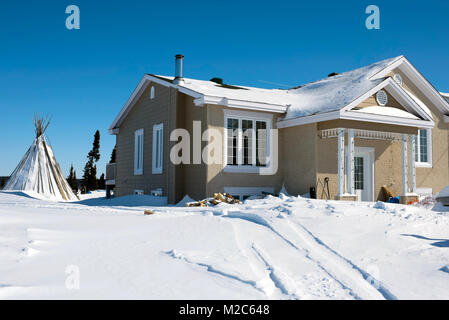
<point x="388" y="194"/>
<point x="216" y="199"/>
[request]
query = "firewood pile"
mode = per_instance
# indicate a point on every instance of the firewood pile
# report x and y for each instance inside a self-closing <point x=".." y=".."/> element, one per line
<point x="216" y="199"/>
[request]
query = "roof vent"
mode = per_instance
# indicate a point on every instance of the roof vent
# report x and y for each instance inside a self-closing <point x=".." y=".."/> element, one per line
<point x="381" y="97"/>
<point x="179" y="61"/>
<point x="397" y="77"/>
<point x="217" y="80"/>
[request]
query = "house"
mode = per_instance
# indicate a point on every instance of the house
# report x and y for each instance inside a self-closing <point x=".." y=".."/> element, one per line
<point x="347" y="136"/>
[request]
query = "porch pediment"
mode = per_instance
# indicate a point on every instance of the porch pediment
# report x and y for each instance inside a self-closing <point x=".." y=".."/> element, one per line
<point x="387" y="111"/>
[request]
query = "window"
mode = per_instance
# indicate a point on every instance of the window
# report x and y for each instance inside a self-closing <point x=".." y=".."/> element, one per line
<point x="246" y="141"/>
<point x="158" y="140"/>
<point x="152" y="93"/>
<point x="138" y="152"/>
<point x="232" y="129"/>
<point x="261" y="143"/>
<point x="358" y="173"/>
<point x="423" y="148"/>
<point x="247" y="135"/>
<point x="243" y="193"/>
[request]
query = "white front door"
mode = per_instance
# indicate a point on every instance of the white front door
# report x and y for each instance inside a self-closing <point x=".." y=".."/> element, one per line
<point x="363" y="174"/>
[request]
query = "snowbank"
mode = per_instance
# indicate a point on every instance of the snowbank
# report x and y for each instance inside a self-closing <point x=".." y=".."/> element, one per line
<point x="270" y="248"/>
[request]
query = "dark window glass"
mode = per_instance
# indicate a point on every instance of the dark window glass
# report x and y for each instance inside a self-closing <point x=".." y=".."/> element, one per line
<point x="233" y="125"/>
<point x="261" y="143"/>
<point x="358" y="173"/>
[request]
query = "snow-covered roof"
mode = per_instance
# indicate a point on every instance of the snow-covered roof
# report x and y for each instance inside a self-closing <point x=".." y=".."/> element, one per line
<point x="321" y="98"/>
<point x="329" y="94"/>
<point x="387" y="111"/>
<point x="243" y="93"/>
<point x="334" y="93"/>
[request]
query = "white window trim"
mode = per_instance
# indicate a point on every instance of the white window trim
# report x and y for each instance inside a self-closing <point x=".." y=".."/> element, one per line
<point x="154" y="169"/>
<point x="247" y="191"/>
<point x="152" y="93"/>
<point x="429" y="163"/>
<point x="245" y="115"/>
<point x="137" y="134"/>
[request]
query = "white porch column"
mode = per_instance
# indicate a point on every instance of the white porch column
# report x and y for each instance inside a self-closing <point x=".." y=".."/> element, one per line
<point x="350" y="183"/>
<point x="412" y="164"/>
<point x="341" y="161"/>
<point x="404" y="165"/>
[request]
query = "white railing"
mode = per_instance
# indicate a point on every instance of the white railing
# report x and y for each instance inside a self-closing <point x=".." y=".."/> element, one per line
<point x="362" y="134"/>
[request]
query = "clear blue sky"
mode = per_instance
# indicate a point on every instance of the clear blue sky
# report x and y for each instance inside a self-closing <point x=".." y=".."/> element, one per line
<point x="83" y="77"/>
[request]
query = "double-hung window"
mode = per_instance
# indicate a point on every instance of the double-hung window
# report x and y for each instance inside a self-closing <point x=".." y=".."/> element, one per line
<point x="246" y="141"/>
<point x="158" y="149"/>
<point x="138" y="152"/>
<point x="423" y="148"/>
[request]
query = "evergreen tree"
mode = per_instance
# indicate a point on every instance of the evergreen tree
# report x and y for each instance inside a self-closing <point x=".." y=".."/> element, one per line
<point x="102" y="182"/>
<point x="90" y="169"/>
<point x="113" y="155"/>
<point x="73" y="183"/>
<point x="95" y="152"/>
<point x="86" y="177"/>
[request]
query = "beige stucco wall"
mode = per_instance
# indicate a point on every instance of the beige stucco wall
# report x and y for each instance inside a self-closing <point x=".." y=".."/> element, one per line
<point x="436" y="177"/>
<point x="217" y="179"/>
<point x="298" y="159"/>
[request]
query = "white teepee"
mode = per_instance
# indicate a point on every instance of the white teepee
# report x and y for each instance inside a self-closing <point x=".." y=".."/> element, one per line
<point x="38" y="171"/>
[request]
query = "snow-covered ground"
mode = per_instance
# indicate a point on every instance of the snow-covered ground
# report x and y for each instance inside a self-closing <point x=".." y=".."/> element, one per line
<point x="273" y="248"/>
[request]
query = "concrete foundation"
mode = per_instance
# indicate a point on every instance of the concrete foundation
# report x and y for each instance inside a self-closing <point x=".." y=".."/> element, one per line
<point x="408" y="199"/>
<point x="347" y="197"/>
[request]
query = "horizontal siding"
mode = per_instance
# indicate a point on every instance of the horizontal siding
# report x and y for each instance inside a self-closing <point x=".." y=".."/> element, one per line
<point x="143" y="115"/>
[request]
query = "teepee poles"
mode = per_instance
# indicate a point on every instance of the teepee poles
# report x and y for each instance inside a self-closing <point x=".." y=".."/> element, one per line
<point x="41" y="124"/>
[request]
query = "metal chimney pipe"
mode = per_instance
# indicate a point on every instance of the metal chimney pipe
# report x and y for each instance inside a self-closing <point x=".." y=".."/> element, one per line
<point x="179" y="59"/>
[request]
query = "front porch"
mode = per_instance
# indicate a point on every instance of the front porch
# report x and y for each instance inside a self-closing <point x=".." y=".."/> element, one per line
<point x="356" y="169"/>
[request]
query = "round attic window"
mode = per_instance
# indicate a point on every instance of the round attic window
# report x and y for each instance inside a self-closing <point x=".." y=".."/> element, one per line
<point x="382" y="97"/>
<point x="397" y="77"/>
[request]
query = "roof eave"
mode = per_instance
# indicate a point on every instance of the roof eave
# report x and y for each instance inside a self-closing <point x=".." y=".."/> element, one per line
<point x="418" y="79"/>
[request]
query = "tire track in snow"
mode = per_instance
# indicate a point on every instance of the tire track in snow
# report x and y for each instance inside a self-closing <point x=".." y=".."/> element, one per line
<point x="261" y="270"/>
<point x="175" y="255"/>
<point x="350" y="276"/>
<point x="274" y="275"/>
<point x="344" y="269"/>
<point x="257" y="219"/>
